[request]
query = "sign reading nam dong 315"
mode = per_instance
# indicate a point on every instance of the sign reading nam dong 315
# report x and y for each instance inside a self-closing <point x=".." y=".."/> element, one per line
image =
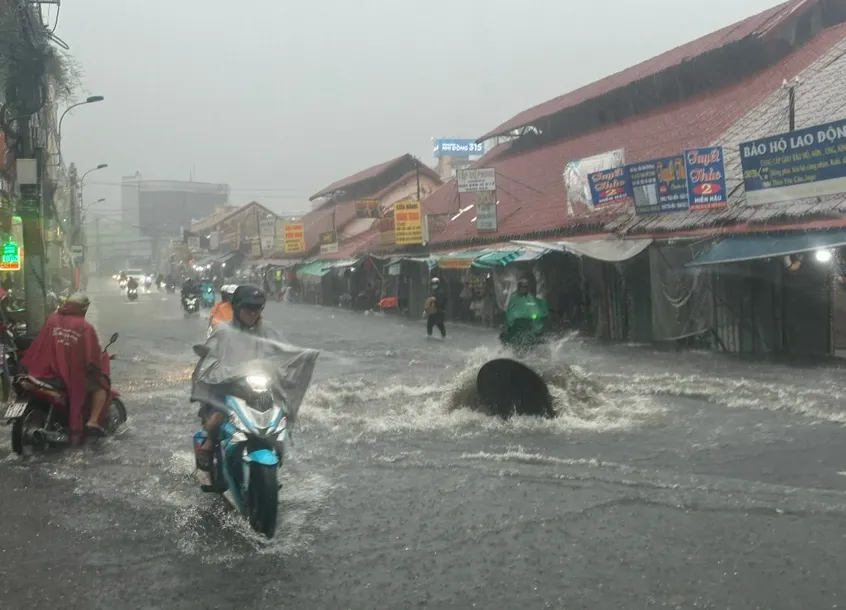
<point x="804" y="163"/>
<point x="456" y="147"/>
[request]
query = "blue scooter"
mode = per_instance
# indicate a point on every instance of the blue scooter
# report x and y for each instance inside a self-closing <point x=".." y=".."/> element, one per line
<point x="207" y="297"/>
<point x="250" y="450"/>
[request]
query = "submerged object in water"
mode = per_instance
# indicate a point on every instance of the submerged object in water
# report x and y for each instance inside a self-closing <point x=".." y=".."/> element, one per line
<point x="507" y="387"/>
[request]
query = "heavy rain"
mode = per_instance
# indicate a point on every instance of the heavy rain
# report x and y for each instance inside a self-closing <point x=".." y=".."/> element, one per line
<point x="554" y="367"/>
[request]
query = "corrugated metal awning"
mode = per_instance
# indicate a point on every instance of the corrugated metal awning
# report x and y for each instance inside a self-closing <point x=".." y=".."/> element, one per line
<point x="743" y="248"/>
<point x="607" y="250"/>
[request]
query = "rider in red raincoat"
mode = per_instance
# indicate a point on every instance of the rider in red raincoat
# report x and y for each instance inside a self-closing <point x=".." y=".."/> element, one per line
<point x="67" y="348"/>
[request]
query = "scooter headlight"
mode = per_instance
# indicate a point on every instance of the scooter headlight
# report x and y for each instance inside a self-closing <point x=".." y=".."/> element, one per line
<point x="258" y="383"/>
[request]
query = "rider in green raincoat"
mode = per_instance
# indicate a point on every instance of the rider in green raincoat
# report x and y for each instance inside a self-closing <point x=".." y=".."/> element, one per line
<point x="525" y="316"/>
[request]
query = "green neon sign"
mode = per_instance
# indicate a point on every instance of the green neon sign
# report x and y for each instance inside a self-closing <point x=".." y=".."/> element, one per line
<point x="10" y="256"/>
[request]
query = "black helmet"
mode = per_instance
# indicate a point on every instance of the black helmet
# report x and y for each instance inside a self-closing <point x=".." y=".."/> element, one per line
<point x="248" y="296"/>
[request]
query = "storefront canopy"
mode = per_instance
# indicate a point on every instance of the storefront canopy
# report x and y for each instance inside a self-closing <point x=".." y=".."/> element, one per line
<point x="606" y="250"/>
<point x="755" y="247"/>
<point x="314" y="269"/>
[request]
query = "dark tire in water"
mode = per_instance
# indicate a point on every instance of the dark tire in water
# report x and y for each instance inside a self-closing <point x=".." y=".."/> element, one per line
<point x="116" y="416"/>
<point x="263" y="499"/>
<point x="507" y="387"/>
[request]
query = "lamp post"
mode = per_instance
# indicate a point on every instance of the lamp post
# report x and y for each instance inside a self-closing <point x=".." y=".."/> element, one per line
<point x="74" y="219"/>
<point x="89" y="100"/>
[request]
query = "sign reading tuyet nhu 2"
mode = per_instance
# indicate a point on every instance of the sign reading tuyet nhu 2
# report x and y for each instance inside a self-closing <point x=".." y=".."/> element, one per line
<point x="803" y="163"/>
<point x="706" y="178"/>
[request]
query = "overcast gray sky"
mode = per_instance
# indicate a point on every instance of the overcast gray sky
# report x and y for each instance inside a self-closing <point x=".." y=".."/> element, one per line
<point x="279" y="99"/>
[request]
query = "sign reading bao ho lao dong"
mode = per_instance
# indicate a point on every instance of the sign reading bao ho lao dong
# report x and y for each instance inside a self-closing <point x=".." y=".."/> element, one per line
<point x="706" y="178"/>
<point x="804" y="163"/>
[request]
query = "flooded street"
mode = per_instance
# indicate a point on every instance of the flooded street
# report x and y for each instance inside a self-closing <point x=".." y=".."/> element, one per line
<point x="679" y="480"/>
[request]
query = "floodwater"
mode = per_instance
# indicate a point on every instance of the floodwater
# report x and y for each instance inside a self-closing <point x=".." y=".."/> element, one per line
<point x="677" y="480"/>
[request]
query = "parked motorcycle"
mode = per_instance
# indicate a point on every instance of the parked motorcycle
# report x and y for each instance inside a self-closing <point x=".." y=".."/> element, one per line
<point x="250" y="450"/>
<point x="39" y="415"/>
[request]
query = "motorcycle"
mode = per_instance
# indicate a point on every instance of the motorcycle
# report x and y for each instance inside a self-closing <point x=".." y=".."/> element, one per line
<point x="190" y="304"/>
<point x="207" y="298"/>
<point x="39" y="415"/>
<point x="132" y="294"/>
<point x="250" y="449"/>
<point x="170" y="288"/>
<point x="524" y="324"/>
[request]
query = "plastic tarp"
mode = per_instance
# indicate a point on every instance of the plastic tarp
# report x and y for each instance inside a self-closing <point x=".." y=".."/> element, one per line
<point x="234" y="354"/>
<point x="313" y="271"/>
<point x="345" y="263"/>
<point x="682" y="297"/>
<point x="755" y="247"/>
<point x="502" y="257"/>
<point x="607" y="250"/>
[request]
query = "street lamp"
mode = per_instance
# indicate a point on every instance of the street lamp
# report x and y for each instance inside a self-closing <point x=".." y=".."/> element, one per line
<point x="89" y="100"/>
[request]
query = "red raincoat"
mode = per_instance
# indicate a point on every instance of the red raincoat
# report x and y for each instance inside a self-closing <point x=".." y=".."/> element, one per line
<point x="67" y="348"/>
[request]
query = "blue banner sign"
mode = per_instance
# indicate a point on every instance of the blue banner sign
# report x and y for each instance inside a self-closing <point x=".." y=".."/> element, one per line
<point x="706" y="178"/>
<point x="659" y="185"/>
<point x="610" y="186"/>
<point x="804" y="163"/>
<point x="455" y="147"/>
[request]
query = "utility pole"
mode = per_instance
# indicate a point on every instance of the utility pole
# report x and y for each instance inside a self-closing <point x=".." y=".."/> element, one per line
<point x="31" y="213"/>
<point x="73" y="216"/>
<point x="97" y="243"/>
<point x="417" y="167"/>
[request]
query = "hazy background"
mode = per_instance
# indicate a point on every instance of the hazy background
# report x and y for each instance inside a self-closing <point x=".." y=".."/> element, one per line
<point x="279" y="99"/>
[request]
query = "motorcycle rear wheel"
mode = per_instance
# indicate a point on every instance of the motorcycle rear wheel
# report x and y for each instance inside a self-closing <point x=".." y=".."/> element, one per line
<point x="32" y="418"/>
<point x="263" y="499"/>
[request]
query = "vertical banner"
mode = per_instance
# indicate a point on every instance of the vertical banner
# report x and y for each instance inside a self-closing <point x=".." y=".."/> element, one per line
<point x="408" y="225"/>
<point x="706" y="178"/>
<point x="267" y="233"/>
<point x="294" y="238"/>
<point x="486" y="217"/>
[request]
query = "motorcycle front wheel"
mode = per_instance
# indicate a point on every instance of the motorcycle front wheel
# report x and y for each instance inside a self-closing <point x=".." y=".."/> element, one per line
<point x="263" y="499"/>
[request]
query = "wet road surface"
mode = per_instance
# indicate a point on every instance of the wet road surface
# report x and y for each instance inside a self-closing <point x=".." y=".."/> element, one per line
<point x="688" y="480"/>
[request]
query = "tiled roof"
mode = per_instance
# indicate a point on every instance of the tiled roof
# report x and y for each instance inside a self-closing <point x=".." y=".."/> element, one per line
<point x="404" y="161"/>
<point x="819" y="99"/>
<point x="360" y="244"/>
<point x="756" y="25"/>
<point x="530" y="186"/>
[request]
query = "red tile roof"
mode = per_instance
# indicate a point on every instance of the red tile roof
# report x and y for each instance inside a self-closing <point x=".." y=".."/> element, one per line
<point x="360" y="244"/>
<point x="374" y="172"/>
<point x="757" y="25"/>
<point x="530" y="185"/>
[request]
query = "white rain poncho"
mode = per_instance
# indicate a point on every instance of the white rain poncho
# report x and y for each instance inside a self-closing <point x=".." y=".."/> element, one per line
<point x="234" y="354"/>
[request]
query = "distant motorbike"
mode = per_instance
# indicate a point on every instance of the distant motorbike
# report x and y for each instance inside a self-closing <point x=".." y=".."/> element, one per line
<point x="39" y="416"/>
<point x="132" y="294"/>
<point x="207" y="297"/>
<point x="190" y="304"/>
<point x="170" y="288"/>
<point x="250" y="450"/>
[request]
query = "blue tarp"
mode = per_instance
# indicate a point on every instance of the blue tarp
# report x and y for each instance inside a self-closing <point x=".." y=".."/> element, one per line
<point x="755" y="247"/>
